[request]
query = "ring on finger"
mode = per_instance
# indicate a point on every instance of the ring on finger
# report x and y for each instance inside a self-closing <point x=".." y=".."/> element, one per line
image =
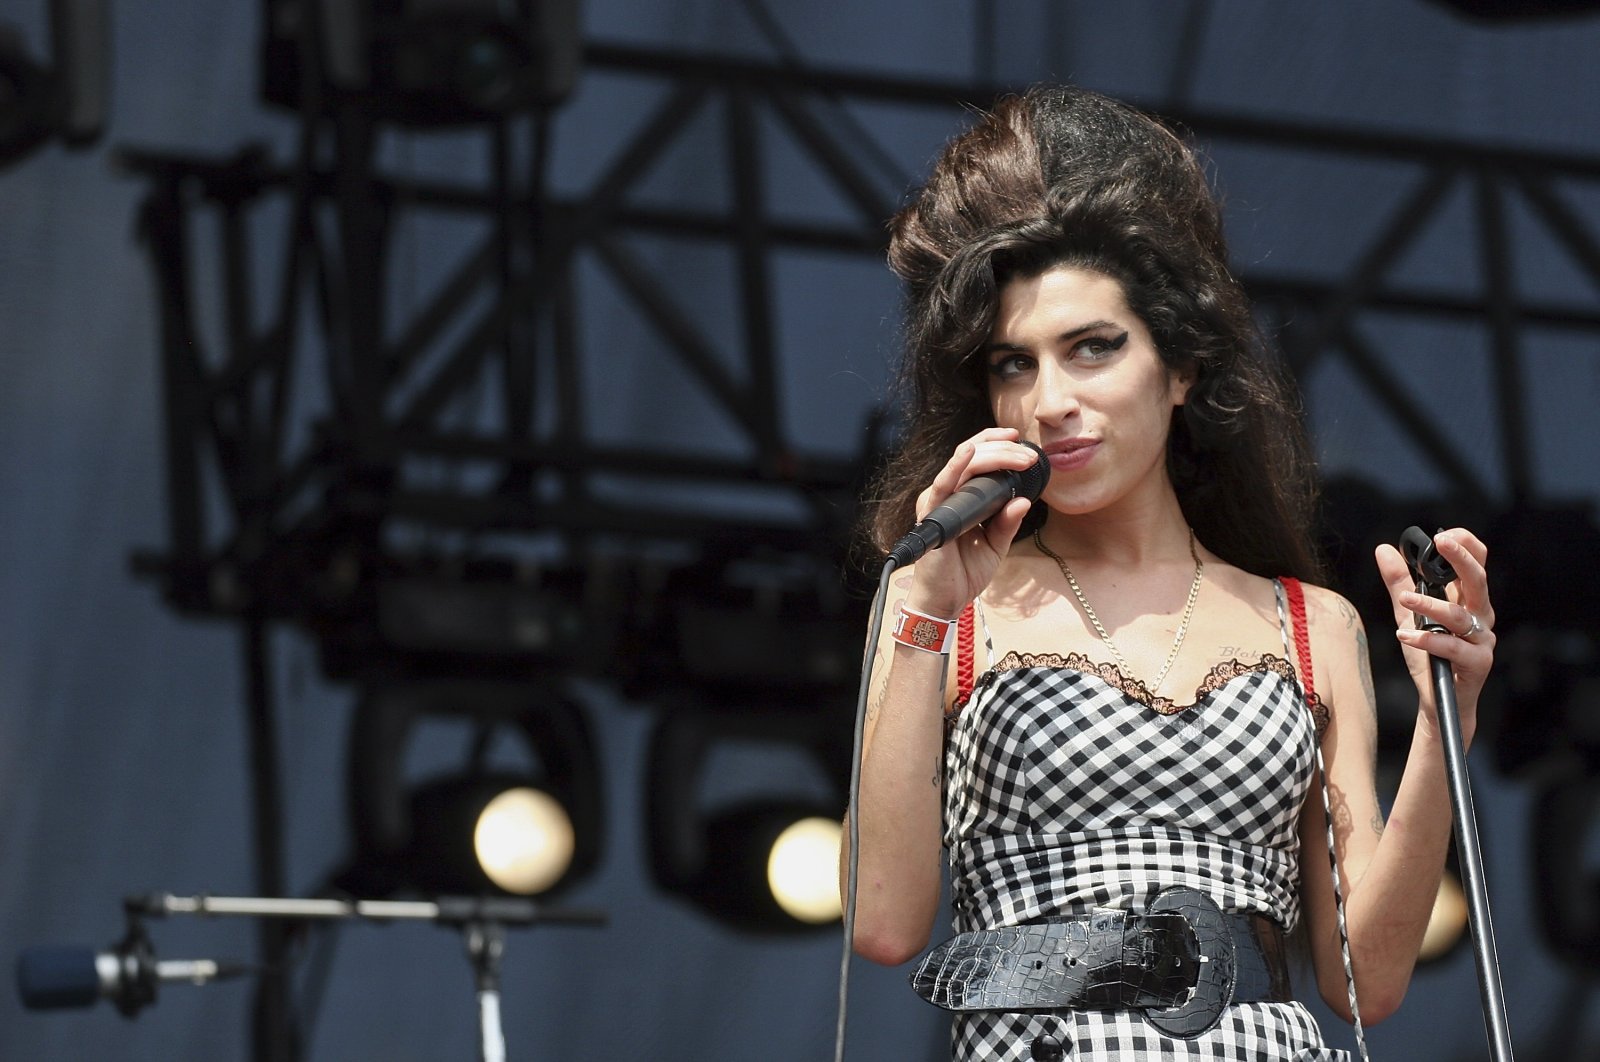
<point x="1477" y="627"/>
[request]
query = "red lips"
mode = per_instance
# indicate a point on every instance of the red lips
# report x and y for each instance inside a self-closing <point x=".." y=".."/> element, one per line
<point x="1069" y="454"/>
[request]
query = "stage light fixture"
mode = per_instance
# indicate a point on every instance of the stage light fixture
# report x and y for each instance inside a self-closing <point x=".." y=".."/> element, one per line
<point x="1547" y="664"/>
<point x="761" y="874"/>
<point x="25" y="101"/>
<point x="1563" y="823"/>
<point x="425" y="62"/>
<point x="527" y="827"/>
<point x="68" y="97"/>
<point x="758" y="862"/>
<point x="802" y="869"/>
<point x="473" y="834"/>
<point x="1447" y="924"/>
<point x="524" y="840"/>
<point x="1520" y="10"/>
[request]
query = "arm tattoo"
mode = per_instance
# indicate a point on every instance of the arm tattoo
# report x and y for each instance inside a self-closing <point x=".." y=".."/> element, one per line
<point x="1364" y="659"/>
<point x="876" y="703"/>
<point x="879" y="658"/>
<point x="1339" y="804"/>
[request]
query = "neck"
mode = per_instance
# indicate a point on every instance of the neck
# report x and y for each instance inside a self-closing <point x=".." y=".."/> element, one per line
<point x="1158" y="533"/>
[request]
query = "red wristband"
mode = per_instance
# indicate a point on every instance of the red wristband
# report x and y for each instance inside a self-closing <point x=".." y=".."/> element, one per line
<point x="922" y="631"/>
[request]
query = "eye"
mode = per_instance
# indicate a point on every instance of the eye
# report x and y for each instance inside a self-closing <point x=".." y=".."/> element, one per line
<point x="1009" y="366"/>
<point x="1098" y="348"/>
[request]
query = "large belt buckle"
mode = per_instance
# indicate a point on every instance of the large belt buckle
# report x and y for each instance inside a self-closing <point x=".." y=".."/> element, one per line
<point x="1213" y="986"/>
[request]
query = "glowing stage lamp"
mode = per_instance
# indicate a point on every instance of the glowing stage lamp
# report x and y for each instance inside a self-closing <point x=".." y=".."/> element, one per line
<point x="770" y="865"/>
<point x="524" y="840"/>
<point x="803" y="870"/>
<point x="763" y="863"/>
<point x="520" y="814"/>
<point x="472" y="834"/>
<point x="1448" y="922"/>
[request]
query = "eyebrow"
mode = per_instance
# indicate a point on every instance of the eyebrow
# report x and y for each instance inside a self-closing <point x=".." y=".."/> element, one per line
<point x="1064" y="337"/>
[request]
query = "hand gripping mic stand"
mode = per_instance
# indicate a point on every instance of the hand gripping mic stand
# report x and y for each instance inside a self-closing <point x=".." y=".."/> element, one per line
<point x="1432" y="574"/>
<point x="482" y="921"/>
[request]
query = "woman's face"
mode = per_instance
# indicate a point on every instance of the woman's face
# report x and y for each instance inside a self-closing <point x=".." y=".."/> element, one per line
<point x="1073" y="369"/>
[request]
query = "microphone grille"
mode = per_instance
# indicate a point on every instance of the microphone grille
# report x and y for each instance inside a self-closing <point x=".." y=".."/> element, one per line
<point x="1031" y="481"/>
<point x="50" y="977"/>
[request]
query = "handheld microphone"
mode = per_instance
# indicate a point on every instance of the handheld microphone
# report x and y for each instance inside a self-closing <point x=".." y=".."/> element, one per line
<point x="977" y="500"/>
<point x="50" y="978"/>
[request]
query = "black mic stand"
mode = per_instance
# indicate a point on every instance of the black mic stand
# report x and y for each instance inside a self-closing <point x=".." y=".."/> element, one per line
<point x="486" y="942"/>
<point x="482" y="921"/>
<point x="136" y="962"/>
<point x="1432" y="574"/>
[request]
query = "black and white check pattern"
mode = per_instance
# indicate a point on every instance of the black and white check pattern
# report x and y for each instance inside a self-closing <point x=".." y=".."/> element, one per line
<point x="1063" y="794"/>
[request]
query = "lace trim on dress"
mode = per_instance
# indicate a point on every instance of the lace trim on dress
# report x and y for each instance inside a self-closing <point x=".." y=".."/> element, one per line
<point x="1136" y="690"/>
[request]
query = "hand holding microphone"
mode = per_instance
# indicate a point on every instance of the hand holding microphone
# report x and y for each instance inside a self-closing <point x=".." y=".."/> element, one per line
<point x="974" y="502"/>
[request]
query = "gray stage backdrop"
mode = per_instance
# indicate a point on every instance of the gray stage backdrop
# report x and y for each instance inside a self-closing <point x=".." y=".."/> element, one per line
<point x="122" y="762"/>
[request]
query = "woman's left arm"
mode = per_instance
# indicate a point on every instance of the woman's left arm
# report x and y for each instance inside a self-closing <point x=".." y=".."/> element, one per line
<point x="1390" y="870"/>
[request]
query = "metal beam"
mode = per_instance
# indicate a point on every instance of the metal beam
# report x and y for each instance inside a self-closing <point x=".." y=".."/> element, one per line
<point x="388" y="415"/>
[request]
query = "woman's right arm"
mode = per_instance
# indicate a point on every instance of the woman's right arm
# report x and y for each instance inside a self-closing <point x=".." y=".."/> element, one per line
<point x="897" y="886"/>
<point x="902" y="760"/>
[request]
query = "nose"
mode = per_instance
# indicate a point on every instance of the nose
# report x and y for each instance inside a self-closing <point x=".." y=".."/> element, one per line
<point x="1055" y="394"/>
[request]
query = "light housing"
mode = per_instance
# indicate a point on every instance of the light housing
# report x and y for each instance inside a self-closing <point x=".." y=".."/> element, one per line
<point x="66" y="98"/>
<point x="737" y="881"/>
<point x="425" y="63"/>
<point x="417" y="831"/>
<point x="720" y="856"/>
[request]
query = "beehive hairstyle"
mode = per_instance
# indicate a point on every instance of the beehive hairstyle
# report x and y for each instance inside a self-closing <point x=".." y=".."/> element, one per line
<point x="1065" y="177"/>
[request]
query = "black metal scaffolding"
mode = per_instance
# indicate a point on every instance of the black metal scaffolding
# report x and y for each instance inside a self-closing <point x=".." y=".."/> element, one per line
<point x="335" y="514"/>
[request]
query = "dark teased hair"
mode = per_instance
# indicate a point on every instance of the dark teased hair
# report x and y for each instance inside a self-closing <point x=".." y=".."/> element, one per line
<point x="1062" y="176"/>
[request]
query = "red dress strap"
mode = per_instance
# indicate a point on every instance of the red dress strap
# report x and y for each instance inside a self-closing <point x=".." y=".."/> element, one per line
<point x="1302" y="633"/>
<point x="964" y="655"/>
<point x="1296" y="596"/>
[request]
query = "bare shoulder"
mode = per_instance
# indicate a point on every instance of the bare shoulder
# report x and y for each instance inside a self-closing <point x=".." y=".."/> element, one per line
<point x="1333" y="620"/>
<point x="1329" y="610"/>
<point x="1339" y="645"/>
<point x="1244" y="592"/>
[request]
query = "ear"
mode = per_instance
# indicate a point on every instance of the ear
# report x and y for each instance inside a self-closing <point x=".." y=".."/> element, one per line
<point x="1179" y="384"/>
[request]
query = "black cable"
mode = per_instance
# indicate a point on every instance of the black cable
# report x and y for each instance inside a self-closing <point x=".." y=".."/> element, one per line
<point x="853" y="828"/>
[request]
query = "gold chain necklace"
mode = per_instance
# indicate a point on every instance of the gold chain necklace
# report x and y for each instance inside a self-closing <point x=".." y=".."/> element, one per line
<point x="1183" y="626"/>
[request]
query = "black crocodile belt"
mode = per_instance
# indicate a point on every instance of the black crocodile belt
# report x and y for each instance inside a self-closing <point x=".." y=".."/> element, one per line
<point x="1181" y="962"/>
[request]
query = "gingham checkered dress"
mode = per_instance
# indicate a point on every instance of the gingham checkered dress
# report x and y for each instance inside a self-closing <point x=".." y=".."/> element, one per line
<point x="1065" y="792"/>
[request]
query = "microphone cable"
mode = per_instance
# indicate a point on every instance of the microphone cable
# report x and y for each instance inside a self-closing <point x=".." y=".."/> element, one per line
<point x="853" y="815"/>
<point x="975" y="501"/>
